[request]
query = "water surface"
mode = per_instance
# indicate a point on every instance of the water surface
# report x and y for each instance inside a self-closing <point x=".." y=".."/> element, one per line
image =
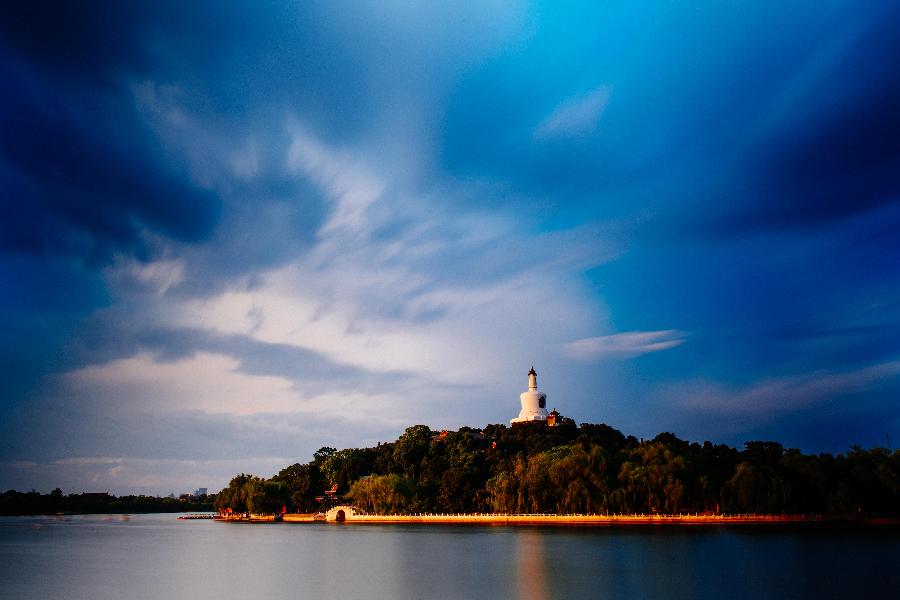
<point x="158" y="556"/>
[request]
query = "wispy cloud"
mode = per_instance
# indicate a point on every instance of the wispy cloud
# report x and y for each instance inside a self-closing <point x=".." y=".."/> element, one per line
<point x="774" y="396"/>
<point x="156" y="277"/>
<point x="576" y="116"/>
<point x="623" y="345"/>
<point x="350" y="186"/>
<point x="390" y="300"/>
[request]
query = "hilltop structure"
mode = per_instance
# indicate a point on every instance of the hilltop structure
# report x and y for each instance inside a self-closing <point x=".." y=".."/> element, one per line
<point x="534" y="402"/>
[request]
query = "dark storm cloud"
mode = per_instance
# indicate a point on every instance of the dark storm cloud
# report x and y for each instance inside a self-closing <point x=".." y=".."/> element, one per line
<point x="836" y="151"/>
<point x="83" y="172"/>
<point x="110" y="337"/>
<point x="77" y="40"/>
<point x="39" y="307"/>
<point x="82" y="175"/>
<point x="84" y="179"/>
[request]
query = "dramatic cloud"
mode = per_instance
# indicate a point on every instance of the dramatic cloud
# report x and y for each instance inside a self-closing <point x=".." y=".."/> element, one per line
<point x="232" y="236"/>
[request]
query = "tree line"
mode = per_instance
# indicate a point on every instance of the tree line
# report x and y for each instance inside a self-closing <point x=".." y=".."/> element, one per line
<point x="586" y="469"/>
<point x="35" y="503"/>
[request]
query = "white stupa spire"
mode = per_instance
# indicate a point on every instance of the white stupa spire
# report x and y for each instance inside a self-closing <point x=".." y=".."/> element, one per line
<point x="534" y="402"/>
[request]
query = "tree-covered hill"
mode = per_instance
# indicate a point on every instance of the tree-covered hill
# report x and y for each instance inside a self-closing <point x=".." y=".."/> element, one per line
<point x="532" y="468"/>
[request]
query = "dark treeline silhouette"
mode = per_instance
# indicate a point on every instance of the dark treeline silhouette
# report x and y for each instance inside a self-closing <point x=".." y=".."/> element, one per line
<point x="591" y="469"/>
<point x="34" y="503"/>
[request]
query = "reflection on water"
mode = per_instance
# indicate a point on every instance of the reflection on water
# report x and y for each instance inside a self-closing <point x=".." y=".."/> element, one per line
<point x="532" y="565"/>
<point x="157" y="556"/>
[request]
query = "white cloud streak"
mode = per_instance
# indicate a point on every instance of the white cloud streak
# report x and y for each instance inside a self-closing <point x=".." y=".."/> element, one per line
<point x="576" y="116"/>
<point x="156" y="277"/>
<point x="351" y="189"/>
<point x="623" y="345"/>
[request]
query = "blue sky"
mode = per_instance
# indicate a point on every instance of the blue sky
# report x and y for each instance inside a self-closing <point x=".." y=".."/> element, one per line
<point x="232" y="235"/>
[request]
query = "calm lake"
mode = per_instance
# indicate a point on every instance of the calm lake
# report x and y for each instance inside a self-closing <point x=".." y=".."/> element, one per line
<point x="158" y="556"/>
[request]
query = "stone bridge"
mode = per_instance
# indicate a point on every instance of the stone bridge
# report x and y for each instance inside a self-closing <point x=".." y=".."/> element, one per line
<point x="341" y="513"/>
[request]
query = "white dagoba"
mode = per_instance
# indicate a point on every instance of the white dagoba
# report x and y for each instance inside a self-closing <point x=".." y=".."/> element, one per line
<point x="534" y="403"/>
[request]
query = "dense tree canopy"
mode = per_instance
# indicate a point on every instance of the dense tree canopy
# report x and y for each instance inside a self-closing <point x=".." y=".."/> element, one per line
<point x="591" y="468"/>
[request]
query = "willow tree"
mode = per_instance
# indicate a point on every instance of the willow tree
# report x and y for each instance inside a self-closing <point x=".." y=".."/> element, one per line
<point x="382" y="494"/>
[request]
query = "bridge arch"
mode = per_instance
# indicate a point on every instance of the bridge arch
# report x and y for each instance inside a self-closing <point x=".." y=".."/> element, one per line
<point x="339" y="514"/>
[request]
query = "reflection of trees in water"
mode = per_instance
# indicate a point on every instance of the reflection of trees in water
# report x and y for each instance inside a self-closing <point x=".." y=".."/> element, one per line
<point x="532" y="576"/>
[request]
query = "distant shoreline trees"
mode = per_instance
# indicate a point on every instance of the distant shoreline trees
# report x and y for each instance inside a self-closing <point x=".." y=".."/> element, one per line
<point x="34" y="503"/>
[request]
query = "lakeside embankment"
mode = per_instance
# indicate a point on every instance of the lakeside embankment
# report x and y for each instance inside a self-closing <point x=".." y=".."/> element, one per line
<point x="350" y="516"/>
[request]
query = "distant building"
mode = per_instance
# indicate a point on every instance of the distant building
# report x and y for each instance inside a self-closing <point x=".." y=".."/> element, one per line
<point x="553" y="419"/>
<point x="200" y="492"/>
<point x="534" y="402"/>
<point x="95" y="495"/>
